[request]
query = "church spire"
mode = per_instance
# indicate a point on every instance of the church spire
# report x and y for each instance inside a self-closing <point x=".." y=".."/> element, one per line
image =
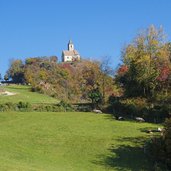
<point x="70" y="42"/>
<point x="70" y="45"/>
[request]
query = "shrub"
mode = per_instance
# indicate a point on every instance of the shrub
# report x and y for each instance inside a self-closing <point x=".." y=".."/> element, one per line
<point x="82" y="107"/>
<point x="24" y="106"/>
<point x="159" y="148"/>
<point x="140" y="107"/>
<point x="66" y="106"/>
<point x="60" y="107"/>
<point x="167" y="141"/>
<point x="7" y="107"/>
<point x="154" y="148"/>
<point x="95" y="96"/>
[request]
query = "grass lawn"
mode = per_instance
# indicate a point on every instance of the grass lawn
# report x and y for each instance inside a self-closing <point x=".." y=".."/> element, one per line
<point x="70" y="142"/>
<point x="24" y="94"/>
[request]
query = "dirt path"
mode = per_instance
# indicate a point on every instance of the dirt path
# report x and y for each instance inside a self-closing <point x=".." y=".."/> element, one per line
<point x="7" y="93"/>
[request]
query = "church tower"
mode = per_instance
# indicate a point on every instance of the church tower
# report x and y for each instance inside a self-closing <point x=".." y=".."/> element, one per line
<point x="70" y="46"/>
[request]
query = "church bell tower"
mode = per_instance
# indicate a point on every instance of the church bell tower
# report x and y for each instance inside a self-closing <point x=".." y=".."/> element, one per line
<point x="70" y="46"/>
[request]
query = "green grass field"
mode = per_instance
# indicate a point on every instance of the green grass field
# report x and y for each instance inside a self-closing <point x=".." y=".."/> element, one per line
<point x="24" y="94"/>
<point x="71" y="142"/>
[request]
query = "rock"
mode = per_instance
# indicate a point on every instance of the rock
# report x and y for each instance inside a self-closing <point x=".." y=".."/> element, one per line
<point x="97" y="111"/>
<point x="149" y="131"/>
<point x="155" y="130"/>
<point x="159" y="129"/>
<point x="139" y="119"/>
<point x="120" y="118"/>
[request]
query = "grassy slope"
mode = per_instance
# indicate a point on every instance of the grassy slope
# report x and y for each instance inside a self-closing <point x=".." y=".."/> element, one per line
<point x="24" y="94"/>
<point x="70" y="141"/>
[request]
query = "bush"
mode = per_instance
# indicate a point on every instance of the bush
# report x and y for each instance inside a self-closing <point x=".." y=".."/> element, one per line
<point x="167" y="141"/>
<point x="95" y="96"/>
<point x="7" y="107"/>
<point x="154" y="148"/>
<point x="159" y="148"/>
<point x="132" y="107"/>
<point x="24" y="106"/>
<point x="82" y="107"/>
<point x="140" y="107"/>
<point x="65" y="106"/>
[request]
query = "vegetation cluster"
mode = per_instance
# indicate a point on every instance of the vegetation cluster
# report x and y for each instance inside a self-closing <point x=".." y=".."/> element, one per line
<point x="159" y="148"/>
<point x="28" y="107"/>
<point x="145" y="77"/>
<point x="82" y="81"/>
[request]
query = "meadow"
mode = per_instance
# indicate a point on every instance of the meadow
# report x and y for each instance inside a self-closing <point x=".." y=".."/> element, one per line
<point x="24" y="94"/>
<point x="74" y="141"/>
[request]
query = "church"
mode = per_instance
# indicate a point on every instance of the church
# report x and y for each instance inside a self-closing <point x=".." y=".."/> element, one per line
<point x="71" y="54"/>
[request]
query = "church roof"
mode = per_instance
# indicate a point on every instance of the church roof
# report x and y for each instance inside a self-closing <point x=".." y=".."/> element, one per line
<point x="70" y="53"/>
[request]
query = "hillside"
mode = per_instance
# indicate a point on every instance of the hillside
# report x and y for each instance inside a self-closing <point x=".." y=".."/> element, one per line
<point x="71" y="141"/>
<point x="17" y="93"/>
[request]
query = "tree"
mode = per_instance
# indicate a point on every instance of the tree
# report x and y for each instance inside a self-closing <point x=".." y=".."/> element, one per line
<point x="145" y="59"/>
<point x="106" y="73"/>
<point x="90" y="77"/>
<point x="6" y="78"/>
<point x="95" y="96"/>
<point x="16" y="71"/>
<point x="66" y="81"/>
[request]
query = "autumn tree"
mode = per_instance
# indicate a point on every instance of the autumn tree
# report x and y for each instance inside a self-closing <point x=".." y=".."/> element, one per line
<point x="73" y="82"/>
<point x="106" y="73"/>
<point x="147" y="63"/>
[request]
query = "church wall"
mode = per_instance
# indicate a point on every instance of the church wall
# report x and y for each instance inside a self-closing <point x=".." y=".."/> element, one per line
<point x="67" y="58"/>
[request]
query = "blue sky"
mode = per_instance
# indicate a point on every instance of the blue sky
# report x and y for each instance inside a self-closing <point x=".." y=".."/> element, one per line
<point x="98" y="28"/>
